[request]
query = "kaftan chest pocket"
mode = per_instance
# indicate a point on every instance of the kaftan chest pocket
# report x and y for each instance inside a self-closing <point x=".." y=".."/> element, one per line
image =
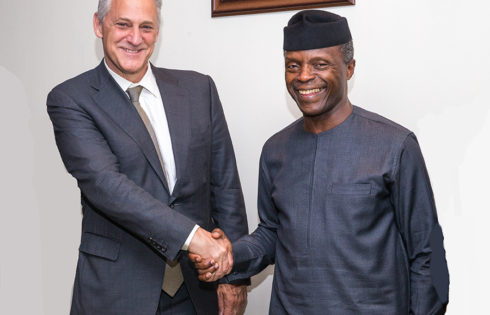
<point x="340" y="215"/>
<point x="349" y="189"/>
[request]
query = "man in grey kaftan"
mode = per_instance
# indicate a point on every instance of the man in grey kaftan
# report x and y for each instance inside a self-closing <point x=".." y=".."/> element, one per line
<point x="346" y="208"/>
<point x="348" y="218"/>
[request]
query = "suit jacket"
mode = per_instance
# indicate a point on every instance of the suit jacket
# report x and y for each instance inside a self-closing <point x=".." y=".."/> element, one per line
<point x="131" y="223"/>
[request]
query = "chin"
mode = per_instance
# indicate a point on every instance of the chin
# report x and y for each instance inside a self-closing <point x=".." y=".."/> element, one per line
<point x="309" y="110"/>
<point x="131" y="69"/>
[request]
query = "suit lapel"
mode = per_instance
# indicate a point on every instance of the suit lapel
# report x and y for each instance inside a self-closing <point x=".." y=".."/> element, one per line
<point x="177" y="110"/>
<point x="113" y="100"/>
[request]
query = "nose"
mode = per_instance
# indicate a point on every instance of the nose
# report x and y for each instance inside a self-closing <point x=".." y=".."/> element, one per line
<point x="305" y="74"/>
<point x="134" y="37"/>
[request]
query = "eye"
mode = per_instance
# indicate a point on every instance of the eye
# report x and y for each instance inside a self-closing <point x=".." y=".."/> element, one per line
<point x="321" y="65"/>
<point x="147" y="27"/>
<point x="292" y="67"/>
<point x="122" y="24"/>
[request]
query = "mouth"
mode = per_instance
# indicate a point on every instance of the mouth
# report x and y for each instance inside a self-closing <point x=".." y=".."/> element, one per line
<point x="310" y="92"/>
<point x="131" y="51"/>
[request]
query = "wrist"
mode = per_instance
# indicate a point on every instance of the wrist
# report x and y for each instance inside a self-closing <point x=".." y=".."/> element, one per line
<point x="190" y="237"/>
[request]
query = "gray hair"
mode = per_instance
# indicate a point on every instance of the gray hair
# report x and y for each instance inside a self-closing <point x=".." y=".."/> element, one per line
<point x="347" y="51"/>
<point x="105" y="6"/>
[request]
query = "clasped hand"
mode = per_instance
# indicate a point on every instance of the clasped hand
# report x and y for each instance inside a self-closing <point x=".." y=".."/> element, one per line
<point x="211" y="254"/>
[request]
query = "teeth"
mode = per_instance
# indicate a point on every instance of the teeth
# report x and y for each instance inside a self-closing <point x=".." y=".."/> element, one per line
<point x="131" y="51"/>
<point x="304" y="92"/>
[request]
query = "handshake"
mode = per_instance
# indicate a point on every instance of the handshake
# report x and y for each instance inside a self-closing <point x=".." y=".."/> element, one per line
<point x="211" y="254"/>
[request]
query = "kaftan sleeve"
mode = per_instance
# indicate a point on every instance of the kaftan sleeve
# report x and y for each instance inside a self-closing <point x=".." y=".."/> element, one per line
<point x="252" y="253"/>
<point x="417" y="221"/>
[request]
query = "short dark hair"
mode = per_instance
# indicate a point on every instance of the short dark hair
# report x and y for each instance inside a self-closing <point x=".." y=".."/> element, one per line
<point x="347" y="51"/>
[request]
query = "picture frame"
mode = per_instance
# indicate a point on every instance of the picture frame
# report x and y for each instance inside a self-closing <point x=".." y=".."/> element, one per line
<point x="236" y="7"/>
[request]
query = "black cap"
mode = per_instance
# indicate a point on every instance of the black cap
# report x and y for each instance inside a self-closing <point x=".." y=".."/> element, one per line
<point x="312" y="29"/>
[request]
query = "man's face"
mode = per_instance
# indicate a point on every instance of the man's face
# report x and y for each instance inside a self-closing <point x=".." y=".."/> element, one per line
<point x="129" y="32"/>
<point x="317" y="80"/>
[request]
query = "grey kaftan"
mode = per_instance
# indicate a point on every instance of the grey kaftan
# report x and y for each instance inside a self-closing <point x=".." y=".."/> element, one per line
<point x="348" y="218"/>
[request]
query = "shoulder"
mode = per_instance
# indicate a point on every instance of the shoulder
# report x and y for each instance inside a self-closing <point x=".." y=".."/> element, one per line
<point x="278" y="143"/>
<point x="184" y="78"/>
<point x="379" y="128"/>
<point x="282" y="136"/>
<point x="377" y="121"/>
<point x="77" y="86"/>
<point x="386" y="138"/>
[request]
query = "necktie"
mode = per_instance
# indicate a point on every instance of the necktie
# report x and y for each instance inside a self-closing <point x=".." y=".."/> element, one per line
<point x="173" y="278"/>
<point x="134" y="96"/>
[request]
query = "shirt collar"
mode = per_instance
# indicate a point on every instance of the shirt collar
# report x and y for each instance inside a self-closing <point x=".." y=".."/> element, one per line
<point x="148" y="81"/>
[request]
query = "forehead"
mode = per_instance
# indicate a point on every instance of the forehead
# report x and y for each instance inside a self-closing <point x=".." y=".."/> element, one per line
<point x="134" y="9"/>
<point x="330" y="53"/>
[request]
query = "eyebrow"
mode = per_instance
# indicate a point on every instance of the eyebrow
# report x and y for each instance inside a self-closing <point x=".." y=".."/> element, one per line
<point x="320" y="59"/>
<point x="289" y="59"/>
<point x="129" y="20"/>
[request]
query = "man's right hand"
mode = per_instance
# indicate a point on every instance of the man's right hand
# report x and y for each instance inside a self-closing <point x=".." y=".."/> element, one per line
<point x="211" y="253"/>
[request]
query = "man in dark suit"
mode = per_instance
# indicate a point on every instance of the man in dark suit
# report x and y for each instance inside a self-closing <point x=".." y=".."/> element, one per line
<point x="150" y="150"/>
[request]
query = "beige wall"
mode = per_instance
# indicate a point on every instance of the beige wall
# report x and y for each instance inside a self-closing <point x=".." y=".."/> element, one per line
<point x="424" y="64"/>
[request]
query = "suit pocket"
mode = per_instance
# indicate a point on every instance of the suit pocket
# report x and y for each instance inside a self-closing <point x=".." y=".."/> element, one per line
<point x="100" y="246"/>
<point x="350" y="189"/>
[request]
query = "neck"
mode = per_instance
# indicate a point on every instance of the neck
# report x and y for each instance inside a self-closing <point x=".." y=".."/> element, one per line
<point x="132" y="77"/>
<point x="328" y="120"/>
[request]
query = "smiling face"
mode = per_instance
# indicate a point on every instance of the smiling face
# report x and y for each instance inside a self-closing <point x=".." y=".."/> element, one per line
<point x="317" y="80"/>
<point x="129" y="33"/>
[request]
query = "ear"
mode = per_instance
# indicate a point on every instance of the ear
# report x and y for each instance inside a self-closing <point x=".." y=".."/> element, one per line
<point x="350" y="68"/>
<point x="97" y="26"/>
<point x="157" y="32"/>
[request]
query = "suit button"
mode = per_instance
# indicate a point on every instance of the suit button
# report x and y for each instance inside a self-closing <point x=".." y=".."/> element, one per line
<point x="172" y="206"/>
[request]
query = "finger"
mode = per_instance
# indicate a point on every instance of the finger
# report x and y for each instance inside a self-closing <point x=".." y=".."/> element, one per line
<point x="227" y="306"/>
<point x="221" y="271"/>
<point x="220" y="302"/>
<point x="217" y="233"/>
<point x="206" y="264"/>
<point x="229" y="302"/>
<point x="208" y="277"/>
<point x="204" y="271"/>
<point x="204" y="278"/>
<point x="227" y="264"/>
<point x="195" y="257"/>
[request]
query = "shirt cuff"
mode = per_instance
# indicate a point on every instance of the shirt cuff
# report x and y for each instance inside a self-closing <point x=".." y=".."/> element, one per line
<point x="189" y="238"/>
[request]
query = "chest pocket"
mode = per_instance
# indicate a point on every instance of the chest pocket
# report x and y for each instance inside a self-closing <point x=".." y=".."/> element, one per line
<point x="350" y="189"/>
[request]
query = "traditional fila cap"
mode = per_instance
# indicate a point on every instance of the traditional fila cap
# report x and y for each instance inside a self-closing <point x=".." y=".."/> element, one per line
<point x="312" y="29"/>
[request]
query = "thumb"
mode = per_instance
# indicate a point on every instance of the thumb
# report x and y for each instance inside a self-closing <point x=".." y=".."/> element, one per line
<point x="217" y="233"/>
<point x="194" y="257"/>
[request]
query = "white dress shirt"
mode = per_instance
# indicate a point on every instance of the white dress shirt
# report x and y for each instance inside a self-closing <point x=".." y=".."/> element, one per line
<point x="151" y="102"/>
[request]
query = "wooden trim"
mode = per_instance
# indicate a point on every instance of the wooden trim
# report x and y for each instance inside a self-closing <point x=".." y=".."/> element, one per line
<point x="235" y="7"/>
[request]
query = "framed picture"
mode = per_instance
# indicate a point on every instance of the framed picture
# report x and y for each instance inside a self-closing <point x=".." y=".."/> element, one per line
<point x="235" y="7"/>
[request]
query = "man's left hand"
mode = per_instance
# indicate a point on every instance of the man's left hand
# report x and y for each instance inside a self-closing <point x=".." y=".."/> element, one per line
<point x="232" y="299"/>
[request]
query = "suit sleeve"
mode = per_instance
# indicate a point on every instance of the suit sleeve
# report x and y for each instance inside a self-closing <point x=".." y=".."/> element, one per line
<point x="228" y="206"/>
<point x="254" y="252"/>
<point x="417" y="220"/>
<point x="88" y="157"/>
